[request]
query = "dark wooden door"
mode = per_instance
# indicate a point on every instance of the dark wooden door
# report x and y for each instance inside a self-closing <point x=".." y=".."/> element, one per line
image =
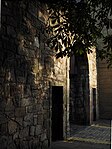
<point x="57" y="113"/>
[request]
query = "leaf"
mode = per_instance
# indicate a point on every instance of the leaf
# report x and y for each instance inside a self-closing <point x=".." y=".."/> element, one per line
<point x="53" y="21"/>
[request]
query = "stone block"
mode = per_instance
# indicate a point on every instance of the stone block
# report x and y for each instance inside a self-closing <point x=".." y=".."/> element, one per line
<point x="40" y="119"/>
<point x="28" y="119"/>
<point x="32" y="130"/>
<point x="9" y="105"/>
<point x="34" y="108"/>
<point x="43" y="137"/>
<point x="24" y="133"/>
<point x="34" y="144"/>
<point x="46" y="123"/>
<point x="26" y="101"/>
<point x="28" y="116"/>
<point x="35" y="119"/>
<point x="15" y="136"/>
<point x="20" y="112"/>
<point x="46" y="104"/>
<point x="12" y="127"/>
<point x="38" y="130"/>
<point x="47" y="115"/>
<point x="19" y="120"/>
<point x="45" y="144"/>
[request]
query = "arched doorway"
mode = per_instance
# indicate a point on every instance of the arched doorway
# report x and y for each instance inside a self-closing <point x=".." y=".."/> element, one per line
<point x="79" y="90"/>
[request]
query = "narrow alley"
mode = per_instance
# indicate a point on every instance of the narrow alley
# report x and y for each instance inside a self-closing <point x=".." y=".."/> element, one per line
<point x="54" y="88"/>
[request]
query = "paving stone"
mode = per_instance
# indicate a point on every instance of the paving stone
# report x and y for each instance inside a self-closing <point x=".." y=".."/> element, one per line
<point x="93" y="133"/>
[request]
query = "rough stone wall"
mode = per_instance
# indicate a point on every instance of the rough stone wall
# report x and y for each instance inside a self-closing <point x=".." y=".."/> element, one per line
<point x="28" y="69"/>
<point x="83" y="89"/>
<point x="79" y="91"/>
<point x="104" y="90"/>
<point x="104" y="81"/>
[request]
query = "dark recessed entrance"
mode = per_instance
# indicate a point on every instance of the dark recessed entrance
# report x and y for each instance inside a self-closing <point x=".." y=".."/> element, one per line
<point x="94" y="104"/>
<point x="79" y="90"/>
<point x="57" y="113"/>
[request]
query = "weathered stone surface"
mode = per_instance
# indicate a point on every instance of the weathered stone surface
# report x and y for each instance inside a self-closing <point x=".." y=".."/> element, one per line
<point x="15" y="136"/>
<point x="26" y="76"/>
<point x="3" y="118"/>
<point x="11" y="146"/>
<point x="32" y="130"/>
<point x="35" y="119"/>
<point x="46" y="104"/>
<point x="3" y="129"/>
<point x="28" y="119"/>
<point x="3" y="142"/>
<point x="34" y="108"/>
<point x="45" y="144"/>
<point x="38" y="130"/>
<point x="40" y="119"/>
<point x="43" y="137"/>
<point x="24" y="133"/>
<point x="19" y="121"/>
<point x="12" y="127"/>
<point x="34" y="144"/>
<point x="26" y="101"/>
<point x="46" y="123"/>
<point x="24" y="144"/>
<point x="20" y="112"/>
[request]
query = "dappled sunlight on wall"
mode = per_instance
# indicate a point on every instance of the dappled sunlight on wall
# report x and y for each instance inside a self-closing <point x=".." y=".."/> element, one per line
<point x="28" y="69"/>
<point x="92" y="68"/>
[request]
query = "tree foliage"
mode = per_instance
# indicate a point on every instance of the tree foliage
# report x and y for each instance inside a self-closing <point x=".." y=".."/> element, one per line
<point x="77" y="25"/>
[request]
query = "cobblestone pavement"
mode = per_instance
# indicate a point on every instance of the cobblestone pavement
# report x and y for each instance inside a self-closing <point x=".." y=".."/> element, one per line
<point x="96" y="136"/>
<point x="99" y="132"/>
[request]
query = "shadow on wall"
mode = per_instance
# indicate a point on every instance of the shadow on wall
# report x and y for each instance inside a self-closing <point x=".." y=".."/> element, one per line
<point x="24" y="79"/>
<point x="79" y="91"/>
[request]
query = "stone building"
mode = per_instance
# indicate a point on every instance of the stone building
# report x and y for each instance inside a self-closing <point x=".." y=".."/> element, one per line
<point x="34" y="85"/>
<point x="104" y="83"/>
<point x="104" y="90"/>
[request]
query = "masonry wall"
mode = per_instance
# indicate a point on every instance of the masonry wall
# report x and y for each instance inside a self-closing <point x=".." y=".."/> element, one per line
<point x="104" y="84"/>
<point x="28" y="70"/>
<point x="104" y="90"/>
<point x="79" y="91"/>
<point x="83" y="89"/>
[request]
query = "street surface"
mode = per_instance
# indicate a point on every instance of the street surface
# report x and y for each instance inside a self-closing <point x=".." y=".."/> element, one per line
<point x="96" y="136"/>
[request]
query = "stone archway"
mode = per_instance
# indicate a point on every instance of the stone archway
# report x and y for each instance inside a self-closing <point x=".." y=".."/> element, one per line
<point x="79" y="90"/>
